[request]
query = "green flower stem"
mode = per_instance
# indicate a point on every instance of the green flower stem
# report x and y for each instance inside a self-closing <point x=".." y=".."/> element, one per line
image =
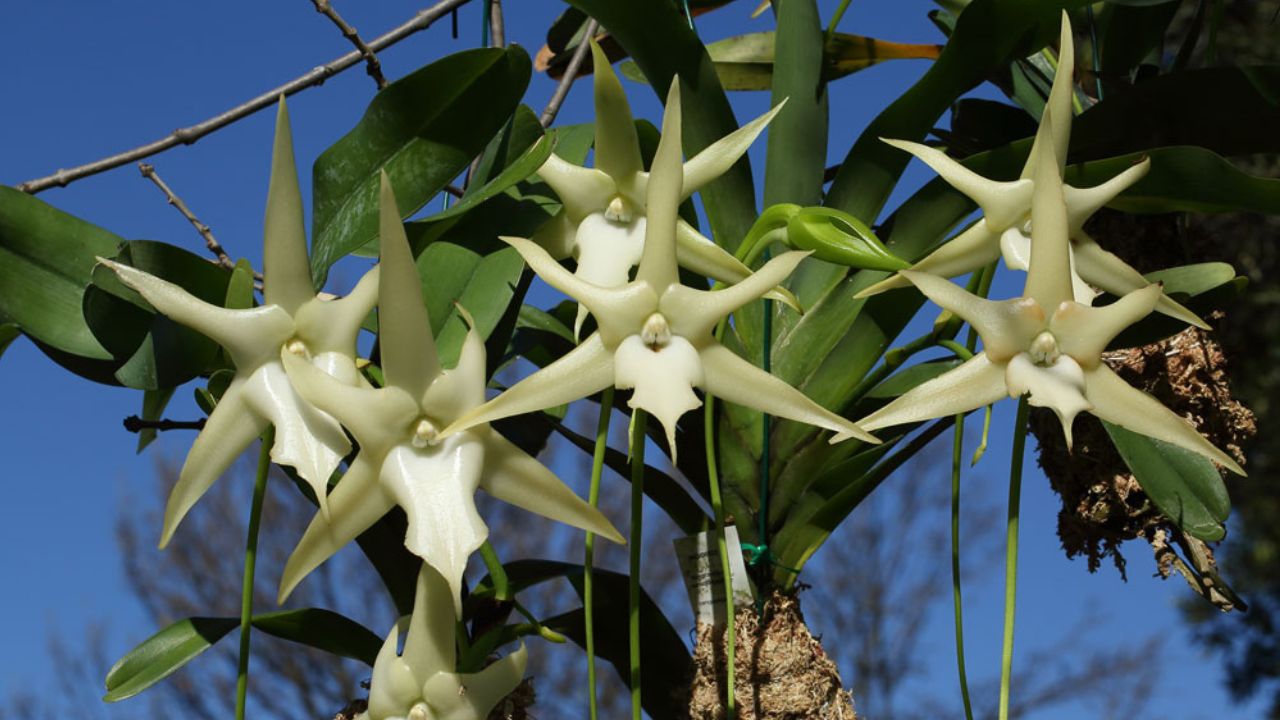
<point x="957" y="446"/>
<point x="250" y="563"/>
<point x="717" y="507"/>
<point x="639" y="419"/>
<point x="589" y="548"/>
<point x="497" y="573"/>
<point x="1011" y="554"/>
<point x="835" y="20"/>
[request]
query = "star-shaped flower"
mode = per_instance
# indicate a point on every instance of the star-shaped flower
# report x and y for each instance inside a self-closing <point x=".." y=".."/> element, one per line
<point x="293" y="321"/>
<point x="602" y="222"/>
<point x="421" y="683"/>
<point x="404" y="459"/>
<point x="1004" y="228"/>
<point x="655" y="335"/>
<point x="1045" y="344"/>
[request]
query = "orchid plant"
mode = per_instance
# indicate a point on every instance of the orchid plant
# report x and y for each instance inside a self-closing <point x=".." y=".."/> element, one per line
<point x="788" y="314"/>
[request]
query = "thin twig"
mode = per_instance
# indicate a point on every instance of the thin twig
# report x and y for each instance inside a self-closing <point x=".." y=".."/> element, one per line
<point x="189" y="135"/>
<point x="372" y="64"/>
<point x="497" y="31"/>
<point x="211" y="242"/>
<point x="134" y="424"/>
<point x="570" y="73"/>
<point x="454" y="190"/>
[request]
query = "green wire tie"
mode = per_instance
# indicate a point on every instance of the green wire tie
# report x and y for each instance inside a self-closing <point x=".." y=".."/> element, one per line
<point x="757" y="554"/>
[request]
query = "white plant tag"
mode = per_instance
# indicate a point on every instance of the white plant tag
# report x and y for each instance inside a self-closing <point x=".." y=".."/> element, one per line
<point x="700" y="564"/>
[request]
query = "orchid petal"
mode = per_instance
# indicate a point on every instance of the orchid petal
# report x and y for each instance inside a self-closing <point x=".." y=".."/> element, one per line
<point x="582" y="191"/>
<point x="454" y="696"/>
<point x="658" y="264"/>
<point x="461" y="387"/>
<point x="716" y="159"/>
<point x="409" y="359"/>
<point x="286" y="272"/>
<point x="228" y="431"/>
<point x="436" y="487"/>
<point x="1082" y="203"/>
<point x="1083" y="332"/>
<point x="1002" y="203"/>
<point x="1057" y="107"/>
<point x="1059" y="387"/>
<point x="583" y="371"/>
<point x="1115" y="401"/>
<point x="663" y="380"/>
<point x="393" y="687"/>
<point x="731" y="378"/>
<point x="376" y="417"/>
<point x="428" y="644"/>
<point x="306" y="438"/>
<point x="696" y="252"/>
<point x="606" y="250"/>
<point x="513" y="476"/>
<point x="1049" y="274"/>
<point x="975" y="383"/>
<point x="251" y="336"/>
<point x="558" y="235"/>
<point x="693" y="313"/>
<point x="332" y="325"/>
<point x="618" y="310"/>
<point x="976" y="247"/>
<point x="1109" y="272"/>
<point x="1007" y="327"/>
<point x="356" y="503"/>
<point x="617" y="146"/>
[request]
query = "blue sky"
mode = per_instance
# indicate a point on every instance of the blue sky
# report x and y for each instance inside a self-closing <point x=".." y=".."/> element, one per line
<point x="86" y="79"/>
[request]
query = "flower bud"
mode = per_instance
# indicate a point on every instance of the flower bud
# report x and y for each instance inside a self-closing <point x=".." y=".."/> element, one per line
<point x="840" y="238"/>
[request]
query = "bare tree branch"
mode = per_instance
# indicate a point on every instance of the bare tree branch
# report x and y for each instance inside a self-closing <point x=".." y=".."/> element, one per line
<point x="189" y="135"/>
<point x="570" y="73"/>
<point x="211" y="242"/>
<point x="372" y="64"/>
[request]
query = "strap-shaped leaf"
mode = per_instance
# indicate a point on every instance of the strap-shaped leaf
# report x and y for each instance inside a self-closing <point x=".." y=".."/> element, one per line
<point x="422" y="130"/>
<point x="46" y="259"/>
<point x="1185" y="486"/>
<point x="164" y="653"/>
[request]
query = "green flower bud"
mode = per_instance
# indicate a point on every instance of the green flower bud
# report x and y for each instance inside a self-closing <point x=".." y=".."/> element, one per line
<point x="840" y="238"/>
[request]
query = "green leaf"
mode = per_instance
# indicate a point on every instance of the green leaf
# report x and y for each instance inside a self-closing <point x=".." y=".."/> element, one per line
<point x="423" y="130"/>
<point x="454" y="275"/>
<point x="323" y="630"/>
<point x="153" y="404"/>
<point x="151" y="350"/>
<point x="746" y="62"/>
<point x="1193" y="279"/>
<point x="1229" y="110"/>
<point x="522" y="130"/>
<point x="988" y="34"/>
<point x="1183" y="179"/>
<point x="1185" y="486"/>
<point x="162" y="654"/>
<point x="657" y="34"/>
<point x="1132" y="34"/>
<point x="797" y="144"/>
<point x="46" y="259"/>
<point x="8" y="332"/>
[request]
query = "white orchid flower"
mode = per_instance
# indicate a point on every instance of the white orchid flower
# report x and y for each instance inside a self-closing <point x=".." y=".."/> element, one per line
<point x="602" y="222"/>
<point x="655" y="335"/>
<point x="1044" y="345"/>
<point x="421" y="683"/>
<point x="1004" y="228"/>
<point x="293" y="321"/>
<point x="404" y="459"/>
